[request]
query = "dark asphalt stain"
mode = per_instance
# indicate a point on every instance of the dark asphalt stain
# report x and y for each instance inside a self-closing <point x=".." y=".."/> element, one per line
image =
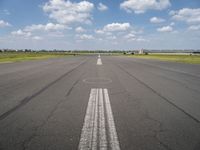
<point x="27" y="99"/>
<point x="164" y="98"/>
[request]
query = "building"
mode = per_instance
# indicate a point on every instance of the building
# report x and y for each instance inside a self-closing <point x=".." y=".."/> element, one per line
<point x="141" y="51"/>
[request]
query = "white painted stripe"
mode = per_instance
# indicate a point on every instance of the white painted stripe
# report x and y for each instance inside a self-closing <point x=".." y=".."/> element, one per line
<point x="102" y="128"/>
<point x="87" y="130"/>
<point x="95" y="123"/>
<point x="114" y="143"/>
<point x="99" y="56"/>
<point x="99" y="62"/>
<point x="94" y="136"/>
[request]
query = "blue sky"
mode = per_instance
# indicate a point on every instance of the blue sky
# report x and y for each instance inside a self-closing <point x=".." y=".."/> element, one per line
<point x="100" y="24"/>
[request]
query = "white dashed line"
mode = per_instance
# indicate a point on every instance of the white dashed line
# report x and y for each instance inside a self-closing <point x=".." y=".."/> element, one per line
<point x="99" y="62"/>
<point x="102" y="126"/>
<point x="87" y="131"/>
<point x="99" y="132"/>
<point x="114" y="143"/>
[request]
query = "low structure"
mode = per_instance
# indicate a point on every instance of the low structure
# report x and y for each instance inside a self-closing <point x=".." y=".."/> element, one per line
<point x="141" y="51"/>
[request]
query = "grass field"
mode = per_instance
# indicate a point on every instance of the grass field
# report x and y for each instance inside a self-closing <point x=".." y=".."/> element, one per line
<point x="193" y="59"/>
<point x="23" y="56"/>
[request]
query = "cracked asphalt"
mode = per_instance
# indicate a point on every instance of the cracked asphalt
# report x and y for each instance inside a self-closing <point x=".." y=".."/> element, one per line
<point x="155" y="104"/>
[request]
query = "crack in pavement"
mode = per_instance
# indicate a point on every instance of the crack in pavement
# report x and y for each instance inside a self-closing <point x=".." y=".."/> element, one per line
<point x="160" y="95"/>
<point x="73" y="86"/>
<point x="168" y="69"/>
<point x="155" y="132"/>
<point x="159" y="130"/>
<point x="27" y="99"/>
<point x="28" y="140"/>
<point x="181" y="83"/>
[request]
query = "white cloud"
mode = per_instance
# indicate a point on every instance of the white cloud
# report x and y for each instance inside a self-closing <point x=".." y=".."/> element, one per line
<point x="157" y="20"/>
<point x="4" y="24"/>
<point x="194" y="27"/>
<point x="190" y="16"/>
<point x="165" y="29"/>
<point x="141" y="6"/>
<point x="4" y="12"/>
<point x="80" y="29"/>
<point x="172" y="24"/>
<point x="56" y="34"/>
<point x="120" y="32"/>
<point x="141" y="40"/>
<point x="47" y="27"/>
<point x="111" y="37"/>
<point x="37" y="38"/>
<point x="36" y="30"/>
<point x="67" y="12"/>
<point x="130" y="36"/>
<point x="21" y="33"/>
<point x="85" y="37"/>
<point x="116" y="27"/>
<point x="99" y="31"/>
<point x="113" y="27"/>
<point x="102" y="7"/>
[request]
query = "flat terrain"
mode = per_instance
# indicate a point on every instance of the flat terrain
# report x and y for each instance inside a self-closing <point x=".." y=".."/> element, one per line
<point x="6" y="57"/>
<point x="99" y="102"/>
<point x="176" y="57"/>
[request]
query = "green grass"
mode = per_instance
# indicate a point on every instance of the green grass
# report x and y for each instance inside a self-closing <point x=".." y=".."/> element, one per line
<point x="24" y="56"/>
<point x="193" y="59"/>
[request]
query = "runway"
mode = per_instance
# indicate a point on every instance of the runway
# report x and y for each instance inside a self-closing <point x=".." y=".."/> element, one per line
<point x="99" y="102"/>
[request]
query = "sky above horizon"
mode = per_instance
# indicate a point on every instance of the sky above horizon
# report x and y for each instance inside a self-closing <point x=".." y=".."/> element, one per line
<point x="100" y="24"/>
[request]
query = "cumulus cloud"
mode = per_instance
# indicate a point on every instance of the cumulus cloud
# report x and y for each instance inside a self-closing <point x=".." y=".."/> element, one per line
<point x="37" y="38"/>
<point x="194" y="27"/>
<point x="141" y="6"/>
<point x="21" y="33"/>
<point x="67" y="12"/>
<point x="165" y="29"/>
<point x="30" y="31"/>
<point x="119" y="32"/>
<point x="172" y="24"/>
<point x="141" y="40"/>
<point x="157" y="20"/>
<point x="190" y="16"/>
<point x="111" y="37"/>
<point x="116" y="27"/>
<point x="102" y="7"/>
<point x="4" y="12"/>
<point x="80" y="29"/>
<point x="4" y="23"/>
<point x="85" y="36"/>
<point x="130" y="36"/>
<point x="46" y="27"/>
<point x="99" y="31"/>
<point x="113" y="27"/>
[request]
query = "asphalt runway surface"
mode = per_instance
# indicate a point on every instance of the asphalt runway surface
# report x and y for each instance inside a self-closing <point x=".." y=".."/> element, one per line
<point x="99" y="103"/>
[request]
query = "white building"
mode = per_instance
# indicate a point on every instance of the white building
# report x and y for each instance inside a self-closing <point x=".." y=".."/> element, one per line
<point x="141" y="51"/>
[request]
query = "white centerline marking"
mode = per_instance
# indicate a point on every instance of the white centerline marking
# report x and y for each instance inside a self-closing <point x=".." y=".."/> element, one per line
<point x="99" y="62"/>
<point x="86" y="136"/>
<point x="102" y="127"/>
<point x="95" y="123"/>
<point x="94" y="132"/>
<point x="111" y="125"/>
